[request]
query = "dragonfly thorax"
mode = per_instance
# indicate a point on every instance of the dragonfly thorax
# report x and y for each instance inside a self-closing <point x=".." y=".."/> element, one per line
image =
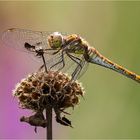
<point x="55" y="40"/>
<point x="76" y="49"/>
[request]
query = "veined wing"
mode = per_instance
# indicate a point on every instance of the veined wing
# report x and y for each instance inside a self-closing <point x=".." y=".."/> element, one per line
<point x="17" y="38"/>
<point x="74" y="65"/>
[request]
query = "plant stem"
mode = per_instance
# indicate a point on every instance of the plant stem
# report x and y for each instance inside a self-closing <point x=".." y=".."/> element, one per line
<point x="49" y="122"/>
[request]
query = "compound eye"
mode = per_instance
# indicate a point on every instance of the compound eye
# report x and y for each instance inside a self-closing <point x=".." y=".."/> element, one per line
<point x="57" y="42"/>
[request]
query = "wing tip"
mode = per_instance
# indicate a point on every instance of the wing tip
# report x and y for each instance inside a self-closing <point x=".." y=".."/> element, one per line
<point x="4" y="34"/>
<point x="7" y="30"/>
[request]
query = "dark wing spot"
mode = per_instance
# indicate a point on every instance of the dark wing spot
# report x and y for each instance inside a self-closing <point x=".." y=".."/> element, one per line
<point x="28" y="46"/>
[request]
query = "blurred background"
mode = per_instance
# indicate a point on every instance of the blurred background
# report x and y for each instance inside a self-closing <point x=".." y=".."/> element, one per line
<point x="111" y="109"/>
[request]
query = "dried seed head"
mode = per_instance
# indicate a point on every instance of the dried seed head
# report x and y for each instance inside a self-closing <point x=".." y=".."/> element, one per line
<point x="53" y="88"/>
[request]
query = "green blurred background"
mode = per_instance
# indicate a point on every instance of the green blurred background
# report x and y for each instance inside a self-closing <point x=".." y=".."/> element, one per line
<point x="111" y="108"/>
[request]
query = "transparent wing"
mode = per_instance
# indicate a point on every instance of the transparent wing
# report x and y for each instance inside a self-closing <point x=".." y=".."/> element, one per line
<point x="85" y="65"/>
<point x="51" y="60"/>
<point x="72" y="67"/>
<point x="17" y="38"/>
<point x="68" y="65"/>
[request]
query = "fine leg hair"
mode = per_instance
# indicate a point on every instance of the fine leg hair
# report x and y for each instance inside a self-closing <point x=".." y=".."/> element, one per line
<point x="61" y="61"/>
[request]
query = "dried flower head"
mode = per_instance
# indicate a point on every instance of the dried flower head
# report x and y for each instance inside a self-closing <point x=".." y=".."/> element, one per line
<point x="53" y="88"/>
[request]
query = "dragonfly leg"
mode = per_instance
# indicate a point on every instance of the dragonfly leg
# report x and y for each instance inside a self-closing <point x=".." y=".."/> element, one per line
<point x="73" y="58"/>
<point x="41" y="67"/>
<point x="76" y="71"/>
<point x="44" y="63"/>
<point x="56" y="51"/>
<point x="61" y="61"/>
<point x="40" y="53"/>
<point x="78" y="68"/>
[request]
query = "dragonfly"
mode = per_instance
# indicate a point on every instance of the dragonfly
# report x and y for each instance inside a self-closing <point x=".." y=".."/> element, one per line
<point x="62" y="52"/>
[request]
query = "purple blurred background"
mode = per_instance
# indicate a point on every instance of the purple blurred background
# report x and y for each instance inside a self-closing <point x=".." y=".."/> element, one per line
<point x="111" y="108"/>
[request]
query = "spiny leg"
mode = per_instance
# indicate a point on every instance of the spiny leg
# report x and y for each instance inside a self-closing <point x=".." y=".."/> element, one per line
<point x="44" y="63"/>
<point x="73" y="58"/>
<point x="61" y="61"/>
<point x="41" y="67"/>
<point x="77" y="70"/>
<point x="45" y="51"/>
<point x="79" y="66"/>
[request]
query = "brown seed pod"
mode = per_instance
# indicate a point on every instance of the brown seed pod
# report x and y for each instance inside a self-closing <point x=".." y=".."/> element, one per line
<point x="53" y="88"/>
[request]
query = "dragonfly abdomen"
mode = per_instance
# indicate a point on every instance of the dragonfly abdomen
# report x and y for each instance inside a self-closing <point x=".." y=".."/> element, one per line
<point x="98" y="59"/>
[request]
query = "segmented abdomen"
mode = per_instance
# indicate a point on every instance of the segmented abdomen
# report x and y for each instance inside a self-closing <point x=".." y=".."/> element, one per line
<point x="97" y="58"/>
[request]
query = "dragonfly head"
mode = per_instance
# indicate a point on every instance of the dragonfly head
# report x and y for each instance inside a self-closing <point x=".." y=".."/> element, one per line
<point x="55" y="40"/>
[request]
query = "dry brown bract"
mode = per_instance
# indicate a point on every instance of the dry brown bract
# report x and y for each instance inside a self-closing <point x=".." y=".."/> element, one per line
<point x="53" y="88"/>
